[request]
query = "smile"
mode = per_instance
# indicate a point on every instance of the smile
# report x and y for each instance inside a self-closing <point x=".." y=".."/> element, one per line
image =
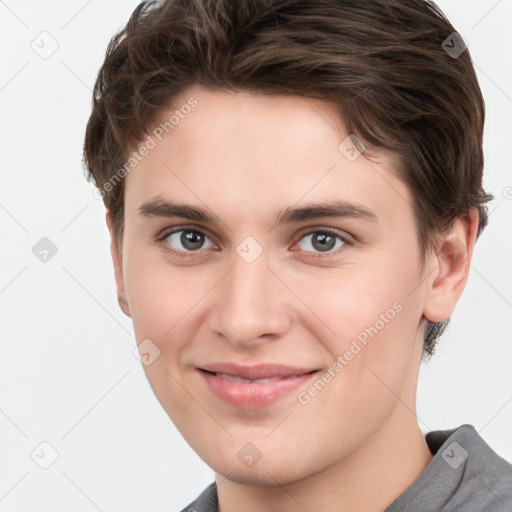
<point x="253" y="387"/>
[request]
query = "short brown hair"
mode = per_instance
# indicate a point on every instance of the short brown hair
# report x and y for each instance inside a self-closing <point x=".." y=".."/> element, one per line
<point x="381" y="63"/>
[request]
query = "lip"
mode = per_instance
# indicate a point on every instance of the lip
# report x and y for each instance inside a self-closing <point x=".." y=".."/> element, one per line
<point x="253" y="387"/>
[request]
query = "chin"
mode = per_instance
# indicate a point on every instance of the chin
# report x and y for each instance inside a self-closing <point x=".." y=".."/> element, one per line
<point x="264" y="472"/>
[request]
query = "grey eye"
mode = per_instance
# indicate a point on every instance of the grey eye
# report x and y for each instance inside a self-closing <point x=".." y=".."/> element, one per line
<point x="321" y="241"/>
<point x="190" y="240"/>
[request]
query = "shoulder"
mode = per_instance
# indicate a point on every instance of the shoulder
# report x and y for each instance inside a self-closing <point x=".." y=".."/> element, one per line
<point x="205" y="502"/>
<point x="464" y="474"/>
<point x="485" y="477"/>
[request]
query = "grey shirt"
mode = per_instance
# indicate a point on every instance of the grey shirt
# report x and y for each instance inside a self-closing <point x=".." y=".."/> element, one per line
<point x="465" y="475"/>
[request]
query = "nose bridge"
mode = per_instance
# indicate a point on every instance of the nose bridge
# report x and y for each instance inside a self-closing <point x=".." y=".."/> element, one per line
<point x="247" y="305"/>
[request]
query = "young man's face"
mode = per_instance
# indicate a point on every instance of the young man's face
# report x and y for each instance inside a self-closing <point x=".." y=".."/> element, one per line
<point x="249" y="291"/>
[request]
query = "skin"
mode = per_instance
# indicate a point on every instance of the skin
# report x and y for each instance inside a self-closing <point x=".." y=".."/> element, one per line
<point x="357" y="444"/>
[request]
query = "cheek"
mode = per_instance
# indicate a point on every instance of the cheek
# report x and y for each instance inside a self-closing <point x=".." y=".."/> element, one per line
<point x="162" y="306"/>
<point x="372" y="318"/>
<point x="356" y="297"/>
<point x="161" y="297"/>
<point x="166" y="306"/>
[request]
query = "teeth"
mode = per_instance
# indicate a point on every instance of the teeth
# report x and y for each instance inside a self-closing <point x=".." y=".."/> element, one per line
<point x="239" y="379"/>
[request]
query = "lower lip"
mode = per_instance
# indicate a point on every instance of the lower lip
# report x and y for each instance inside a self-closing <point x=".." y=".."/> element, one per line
<point x="253" y="395"/>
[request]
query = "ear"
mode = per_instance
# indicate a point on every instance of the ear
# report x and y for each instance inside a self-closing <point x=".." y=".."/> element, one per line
<point x="118" y="266"/>
<point x="452" y="263"/>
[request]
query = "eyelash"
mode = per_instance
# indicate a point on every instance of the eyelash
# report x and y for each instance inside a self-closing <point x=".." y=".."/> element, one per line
<point x="187" y="254"/>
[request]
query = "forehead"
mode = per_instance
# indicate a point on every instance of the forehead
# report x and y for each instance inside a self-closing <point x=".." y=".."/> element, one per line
<point x="254" y="153"/>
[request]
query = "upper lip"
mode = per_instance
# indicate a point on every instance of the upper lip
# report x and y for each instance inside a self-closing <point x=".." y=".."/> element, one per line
<point x="258" y="371"/>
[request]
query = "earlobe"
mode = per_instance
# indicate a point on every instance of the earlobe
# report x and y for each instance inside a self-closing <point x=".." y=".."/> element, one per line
<point x="453" y="262"/>
<point x="118" y="266"/>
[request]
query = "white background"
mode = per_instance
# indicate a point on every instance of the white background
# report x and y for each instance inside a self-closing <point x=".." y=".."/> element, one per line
<point x="67" y="372"/>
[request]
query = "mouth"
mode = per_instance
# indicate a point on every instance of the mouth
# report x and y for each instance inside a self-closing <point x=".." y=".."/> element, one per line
<point x="253" y="387"/>
<point x="240" y="379"/>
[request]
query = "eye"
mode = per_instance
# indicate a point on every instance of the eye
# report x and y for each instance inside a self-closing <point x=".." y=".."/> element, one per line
<point x="324" y="240"/>
<point x="185" y="240"/>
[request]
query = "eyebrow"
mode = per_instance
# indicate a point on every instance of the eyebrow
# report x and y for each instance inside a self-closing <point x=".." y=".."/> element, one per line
<point x="331" y="209"/>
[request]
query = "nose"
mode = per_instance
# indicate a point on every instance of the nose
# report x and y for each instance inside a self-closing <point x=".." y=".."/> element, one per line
<point x="250" y="304"/>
